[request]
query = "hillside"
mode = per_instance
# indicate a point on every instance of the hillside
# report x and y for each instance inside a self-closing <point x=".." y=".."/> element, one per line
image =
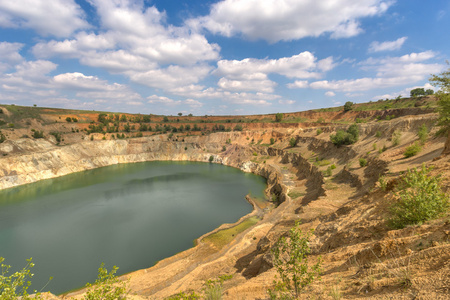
<point x="346" y="205"/>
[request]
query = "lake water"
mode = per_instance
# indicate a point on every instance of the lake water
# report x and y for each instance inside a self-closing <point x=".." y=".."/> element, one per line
<point x="129" y="215"/>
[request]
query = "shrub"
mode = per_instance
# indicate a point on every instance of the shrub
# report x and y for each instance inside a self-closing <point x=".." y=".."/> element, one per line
<point x="412" y="150"/>
<point x="272" y="141"/>
<point x="378" y="134"/>
<point x="211" y="158"/>
<point x="2" y="137"/>
<point x="16" y="286"/>
<point x="419" y="198"/>
<point x="279" y="117"/>
<point x="74" y="120"/>
<point x="293" y="142"/>
<point x="290" y="259"/>
<point x="57" y="135"/>
<point x="165" y="119"/>
<point x="319" y="131"/>
<point x="238" y="127"/>
<point x="224" y="148"/>
<point x="38" y="134"/>
<point x="423" y="134"/>
<point x="328" y="172"/>
<point x="396" y="138"/>
<point x="348" y="106"/>
<point x="362" y="162"/>
<point x="348" y="137"/>
<point x="107" y="286"/>
<point x="68" y="119"/>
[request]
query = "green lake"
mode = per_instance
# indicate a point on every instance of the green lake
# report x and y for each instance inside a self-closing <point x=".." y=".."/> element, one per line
<point x="128" y="215"/>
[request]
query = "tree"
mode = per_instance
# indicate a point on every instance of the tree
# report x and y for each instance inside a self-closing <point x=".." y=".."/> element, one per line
<point x="443" y="82"/>
<point x="279" y="117"/>
<point x="429" y="92"/>
<point x="417" y="92"/>
<point x="348" y="106"/>
<point x="165" y="119"/>
<point x="290" y="259"/>
<point x="68" y="119"/>
<point x="2" y="137"/>
<point x="292" y="142"/>
<point x="180" y="114"/>
<point x="103" y="118"/>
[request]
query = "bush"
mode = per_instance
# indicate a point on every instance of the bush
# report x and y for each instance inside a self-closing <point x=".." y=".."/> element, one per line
<point x="419" y="198"/>
<point x="348" y="106"/>
<point x="272" y="141"/>
<point x="293" y="142"/>
<point x="319" y="131"/>
<point x="290" y="259"/>
<point x="412" y="150"/>
<point x="279" y="117"/>
<point x="423" y="134"/>
<point x="396" y="138"/>
<point x="362" y="162"/>
<point x="328" y="172"/>
<point x="38" y="134"/>
<point x="68" y="119"/>
<point x="348" y="137"/>
<point x="2" y="137"/>
<point x="211" y="158"/>
<point x="378" y="134"/>
<point x="238" y="128"/>
<point x="16" y="286"/>
<point x="107" y="286"/>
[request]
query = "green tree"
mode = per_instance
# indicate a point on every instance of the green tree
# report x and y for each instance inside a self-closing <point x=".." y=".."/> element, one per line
<point x="68" y="119"/>
<point x="180" y="114"/>
<point x="348" y="106"/>
<point x="102" y="118"/>
<point x="165" y="119"/>
<point x="417" y="92"/>
<point x="279" y="117"/>
<point x="348" y="137"/>
<point x="443" y="82"/>
<point x="2" y="137"/>
<point x="419" y="198"/>
<point x="290" y="259"/>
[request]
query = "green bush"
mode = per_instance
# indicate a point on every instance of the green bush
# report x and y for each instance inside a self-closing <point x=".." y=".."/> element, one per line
<point x="290" y="259"/>
<point x="419" y="198"/>
<point x="211" y="158"/>
<point x="348" y="106"/>
<point x="396" y="138"/>
<point x="107" y="286"/>
<point x="2" y="137"/>
<point x="272" y="141"/>
<point x="15" y="286"/>
<point x="412" y="150"/>
<point x="378" y="134"/>
<point x="362" y="162"/>
<point x="348" y="137"/>
<point x="68" y="119"/>
<point x="292" y="142"/>
<point x="279" y="117"/>
<point x="328" y="172"/>
<point x="38" y="134"/>
<point x="238" y="127"/>
<point x="319" y="131"/>
<point x="423" y="134"/>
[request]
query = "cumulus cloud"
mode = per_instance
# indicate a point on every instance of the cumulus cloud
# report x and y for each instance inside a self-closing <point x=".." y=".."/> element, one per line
<point x="388" y="45"/>
<point x="57" y="17"/>
<point x="298" y="84"/>
<point x="330" y="94"/>
<point x="277" y="20"/>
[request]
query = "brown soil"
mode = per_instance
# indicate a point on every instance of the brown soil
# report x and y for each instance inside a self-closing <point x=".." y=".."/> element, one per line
<point x="362" y="256"/>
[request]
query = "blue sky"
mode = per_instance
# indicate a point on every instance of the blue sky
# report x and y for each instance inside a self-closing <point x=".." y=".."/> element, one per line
<point x="217" y="57"/>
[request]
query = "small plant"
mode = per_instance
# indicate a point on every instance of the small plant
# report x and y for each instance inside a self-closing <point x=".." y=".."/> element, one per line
<point x="319" y="131"/>
<point x="383" y="183"/>
<point x="15" y="286"/>
<point x="255" y="154"/>
<point x="378" y="134"/>
<point x="228" y="141"/>
<point x="362" y="162"/>
<point x="333" y="166"/>
<point x="292" y="142"/>
<point x="412" y="150"/>
<point x="419" y="198"/>
<point x="214" y="287"/>
<point x="211" y="158"/>
<point x="290" y="259"/>
<point x="328" y="172"/>
<point x="238" y="127"/>
<point x="423" y="134"/>
<point x="107" y="286"/>
<point x="2" y="137"/>
<point x="272" y="141"/>
<point x="374" y="146"/>
<point x="184" y="296"/>
<point x="396" y="138"/>
<point x="38" y="134"/>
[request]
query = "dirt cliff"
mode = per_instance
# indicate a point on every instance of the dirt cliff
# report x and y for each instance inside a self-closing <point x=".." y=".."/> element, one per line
<point x="362" y="256"/>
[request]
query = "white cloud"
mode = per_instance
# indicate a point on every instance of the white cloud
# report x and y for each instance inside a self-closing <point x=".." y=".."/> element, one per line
<point x="9" y="54"/>
<point x="266" y="86"/>
<point x="404" y="93"/>
<point x="391" y="71"/>
<point x="277" y="20"/>
<point x="193" y="103"/>
<point x="57" y="17"/>
<point x="298" y="84"/>
<point x="170" y="77"/>
<point x="286" y="102"/>
<point x="155" y="99"/>
<point x="387" y="46"/>
<point x="330" y="94"/>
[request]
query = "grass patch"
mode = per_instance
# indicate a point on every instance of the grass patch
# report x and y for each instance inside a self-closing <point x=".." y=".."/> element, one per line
<point x="296" y="194"/>
<point x="225" y="236"/>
